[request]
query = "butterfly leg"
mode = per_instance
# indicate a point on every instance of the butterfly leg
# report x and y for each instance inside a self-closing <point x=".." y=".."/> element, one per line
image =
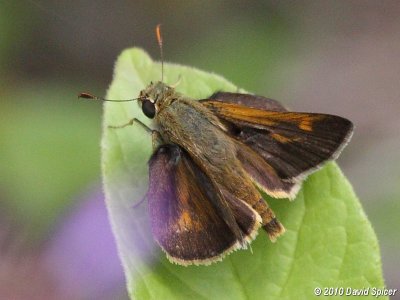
<point x="130" y="123"/>
<point x="156" y="136"/>
<point x="137" y="204"/>
<point x="157" y="140"/>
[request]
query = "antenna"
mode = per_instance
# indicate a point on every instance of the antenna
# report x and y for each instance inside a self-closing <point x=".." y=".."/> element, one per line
<point x="93" y="97"/>
<point x="160" y="44"/>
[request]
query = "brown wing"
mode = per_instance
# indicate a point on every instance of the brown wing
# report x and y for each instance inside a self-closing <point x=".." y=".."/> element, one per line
<point x="292" y="144"/>
<point x="189" y="215"/>
<point x="248" y="100"/>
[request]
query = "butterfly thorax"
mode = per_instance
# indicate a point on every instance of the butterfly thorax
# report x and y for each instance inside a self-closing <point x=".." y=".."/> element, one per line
<point x="189" y="124"/>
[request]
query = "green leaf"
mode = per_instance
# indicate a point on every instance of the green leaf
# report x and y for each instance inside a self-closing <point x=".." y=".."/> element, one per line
<point x="329" y="241"/>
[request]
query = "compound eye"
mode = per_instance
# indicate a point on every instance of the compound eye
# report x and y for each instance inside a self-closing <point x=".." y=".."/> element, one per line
<point x="149" y="109"/>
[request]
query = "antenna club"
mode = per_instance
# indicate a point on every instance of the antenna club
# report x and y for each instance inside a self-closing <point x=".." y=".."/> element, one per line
<point x="160" y="44"/>
<point x="158" y="33"/>
<point x="86" y="96"/>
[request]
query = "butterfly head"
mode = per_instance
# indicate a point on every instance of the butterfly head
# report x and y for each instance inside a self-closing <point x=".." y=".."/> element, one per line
<point x="154" y="96"/>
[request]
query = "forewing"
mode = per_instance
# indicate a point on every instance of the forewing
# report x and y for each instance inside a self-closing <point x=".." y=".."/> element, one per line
<point x="248" y="100"/>
<point x="185" y="219"/>
<point x="293" y="144"/>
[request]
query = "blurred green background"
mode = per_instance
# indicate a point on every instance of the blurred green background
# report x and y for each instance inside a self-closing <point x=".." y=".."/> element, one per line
<point x="338" y="57"/>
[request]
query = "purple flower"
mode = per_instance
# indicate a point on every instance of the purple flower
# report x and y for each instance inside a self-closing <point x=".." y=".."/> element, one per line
<point x="82" y="254"/>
